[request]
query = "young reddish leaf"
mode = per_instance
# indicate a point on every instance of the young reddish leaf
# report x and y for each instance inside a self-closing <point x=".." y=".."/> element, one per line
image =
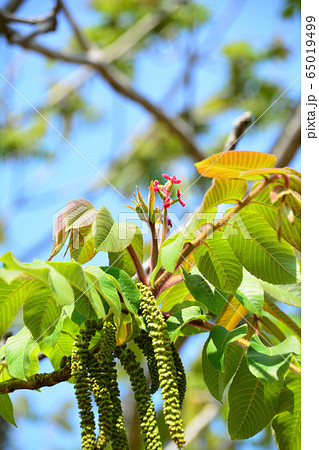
<point x="232" y="164"/>
<point x="79" y="213"/>
<point x="60" y="235"/>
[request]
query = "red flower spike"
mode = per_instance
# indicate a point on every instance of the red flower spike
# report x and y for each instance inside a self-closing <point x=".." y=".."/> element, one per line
<point x="167" y="203"/>
<point x="169" y="223"/>
<point x="178" y="193"/>
<point x="172" y="179"/>
<point x="155" y="186"/>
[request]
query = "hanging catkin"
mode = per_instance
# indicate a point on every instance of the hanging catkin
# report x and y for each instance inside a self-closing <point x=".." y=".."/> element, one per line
<point x="144" y="403"/>
<point x="180" y="374"/>
<point x="166" y="367"/>
<point x="82" y="388"/>
<point x="100" y="389"/>
<point x="106" y="359"/>
<point x="144" y="343"/>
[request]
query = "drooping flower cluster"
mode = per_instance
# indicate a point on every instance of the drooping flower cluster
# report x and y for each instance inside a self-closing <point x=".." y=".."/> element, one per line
<point x="171" y="378"/>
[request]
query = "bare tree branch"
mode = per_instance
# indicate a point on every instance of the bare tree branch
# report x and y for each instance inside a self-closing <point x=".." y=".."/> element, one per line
<point x="289" y="141"/>
<point x="13" y="5"/>
<point x="42" y="25"/>
<point x="79" y="35"/>
<point x="239" y="126"/>
<point x="115" y="78"/>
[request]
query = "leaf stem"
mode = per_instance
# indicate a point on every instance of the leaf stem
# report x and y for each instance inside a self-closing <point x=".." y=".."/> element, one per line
<point x="138" y="265"/>
<point x="154" y="248"/>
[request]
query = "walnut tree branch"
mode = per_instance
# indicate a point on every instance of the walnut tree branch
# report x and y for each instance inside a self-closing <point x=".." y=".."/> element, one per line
<point x="239" y="126"/>
<point x="36" y="381"/>
<point x="116" y="79"/>
<point x="289" y="141"/>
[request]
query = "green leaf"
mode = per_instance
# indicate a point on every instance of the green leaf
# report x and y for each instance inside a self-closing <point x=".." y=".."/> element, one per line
<point x="204" y="293"/>
<point x="283" y="317"/>
<point x="216" y="380"/>
<point x="62" y="348"/>
<point x="40" y="310"/>
<point x="122" y="260"/>
<point x="101" y="226"/>
<point x="129" y="291"/>
<point x="223" y="191"/>
<point x="288" y="293"/>
<point x="74" y="274"/>
<point x="119" y="238"/>
<point x="291" y="232"/>
<point x="251" y="294"/>
<point x="172" y="296"/>
<point x="6" y="409"/>
<point x="11" y="298"/>
<point x="96" y="299"/>
<point x="170" y="251"/>
<point x="52" y="339"/>
<point x="218" y="264"/>
<point x="37" y="269"/>
<point x="270" y="327"/>
<point x="286" y="424"/>
<point x="109" y="236"/>
<point x="219" y="339"/>
<point x="179" y="319"/>
<point x="252" y="404"/>
<point x="21" y="354"/>
<point x="45" y="272"/>
<point x="271" y="363"/>
<point x="82" y="249"/>
<point x="232" y="164"/>
<point x="9" y="275"/>
<point x="107" y="287"/>
<point x="256" y="246"/>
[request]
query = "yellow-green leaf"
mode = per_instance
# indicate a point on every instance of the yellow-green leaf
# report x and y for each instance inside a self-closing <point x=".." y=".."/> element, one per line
<point x="232" y="164"/>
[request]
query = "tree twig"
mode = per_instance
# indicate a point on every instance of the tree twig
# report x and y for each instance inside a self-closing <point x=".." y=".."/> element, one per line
<point x="78" y="33"/>
<point x="239" y="126"/>
<point x="289" y="141"/>
<point x="137" y="264"/>
<point x="36" y="381"/>
<point x="116" y="79"/>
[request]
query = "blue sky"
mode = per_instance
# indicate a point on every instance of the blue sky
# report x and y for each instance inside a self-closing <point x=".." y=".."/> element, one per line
<point x="69" y="176"/>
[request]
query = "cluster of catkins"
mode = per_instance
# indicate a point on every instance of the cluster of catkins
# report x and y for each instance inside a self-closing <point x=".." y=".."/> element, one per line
<point x="95" y="373"/>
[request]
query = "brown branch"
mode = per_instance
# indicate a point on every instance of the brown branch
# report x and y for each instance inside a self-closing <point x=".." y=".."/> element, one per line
<point x="138" y="265"/>
<point x="36" y="381"/>
<point x="13" y="5"/>
<point x="116" y="79"/>
<point x="79" y="35"/>
<point x="289" y="141"/>
<point x="239" y="126"/>
<point x="42" y="25"/>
